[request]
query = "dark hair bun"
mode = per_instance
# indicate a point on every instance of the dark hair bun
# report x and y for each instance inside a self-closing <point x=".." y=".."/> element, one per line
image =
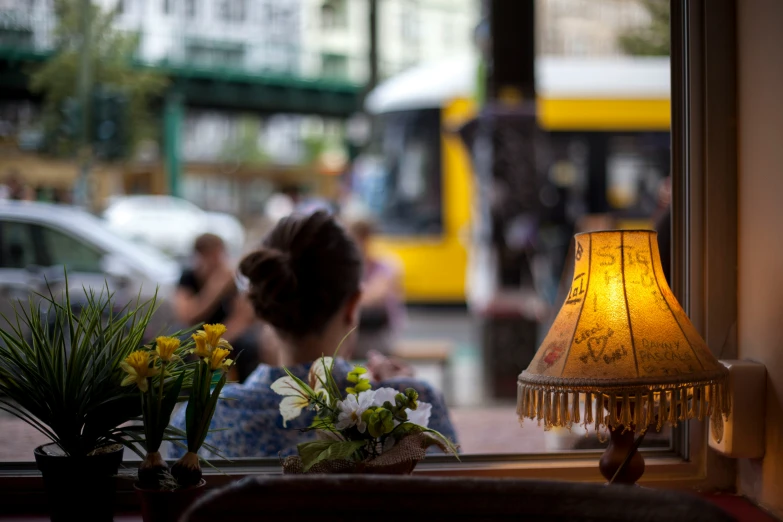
<point x="307" y="268"/>
<point x="273" y="283"/>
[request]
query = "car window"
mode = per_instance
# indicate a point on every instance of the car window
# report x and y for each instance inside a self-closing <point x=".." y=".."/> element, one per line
<point x="60" y="249"/>
<point x="16" y="244"/>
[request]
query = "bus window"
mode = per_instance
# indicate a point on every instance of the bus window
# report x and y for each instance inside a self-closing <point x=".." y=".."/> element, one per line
<point x="404" y="188"/>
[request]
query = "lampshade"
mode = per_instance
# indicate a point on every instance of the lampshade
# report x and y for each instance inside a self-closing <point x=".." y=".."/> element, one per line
<point x="621" y="345"/>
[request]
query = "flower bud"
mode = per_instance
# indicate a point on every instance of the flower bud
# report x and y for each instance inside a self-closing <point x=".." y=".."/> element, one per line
<point x="381" y="422"/>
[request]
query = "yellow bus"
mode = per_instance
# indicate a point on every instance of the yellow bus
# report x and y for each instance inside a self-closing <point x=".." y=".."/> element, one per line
<point x="417" y="177"/>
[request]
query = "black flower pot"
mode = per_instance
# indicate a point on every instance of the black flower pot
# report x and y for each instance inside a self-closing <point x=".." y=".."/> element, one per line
<point x="80" y="488"/>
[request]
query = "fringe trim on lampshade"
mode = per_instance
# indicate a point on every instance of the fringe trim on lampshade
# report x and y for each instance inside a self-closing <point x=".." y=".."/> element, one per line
<point x="642" y="407"/>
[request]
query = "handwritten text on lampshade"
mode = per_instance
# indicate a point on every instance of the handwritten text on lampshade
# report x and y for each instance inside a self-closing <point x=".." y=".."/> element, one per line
<point x="620" y="320"/>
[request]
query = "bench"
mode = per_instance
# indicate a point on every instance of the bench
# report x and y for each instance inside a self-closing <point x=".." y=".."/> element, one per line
<point x="427" y="351"/>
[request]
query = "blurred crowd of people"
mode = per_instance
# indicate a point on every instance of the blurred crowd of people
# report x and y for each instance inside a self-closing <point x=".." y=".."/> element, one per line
<point x="210" y="291"/>
<point x="13" y="188"/>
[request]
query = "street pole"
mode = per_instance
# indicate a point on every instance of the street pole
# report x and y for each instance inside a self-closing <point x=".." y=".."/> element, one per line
<point x="372" y="81"/>
<point x="84" y="88"/>
<point x="504" y="150"/>
<point x="173" y="115"/>
<point x="373" y="76"/>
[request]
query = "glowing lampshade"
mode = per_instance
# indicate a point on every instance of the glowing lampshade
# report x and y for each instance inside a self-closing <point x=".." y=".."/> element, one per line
<point x="621" y="346"/>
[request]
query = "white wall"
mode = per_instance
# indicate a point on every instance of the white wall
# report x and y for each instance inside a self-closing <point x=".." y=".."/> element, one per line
<point x="408" y="33"/>
<point x="760" y="86"/>
<point x="270" y="30"/>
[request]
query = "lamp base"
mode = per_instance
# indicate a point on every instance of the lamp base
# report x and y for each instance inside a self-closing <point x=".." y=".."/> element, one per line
<point x="621" y="463"/>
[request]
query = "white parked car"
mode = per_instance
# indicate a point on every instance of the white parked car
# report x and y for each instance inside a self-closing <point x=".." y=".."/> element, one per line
<point x="37" y="240"/>
<point x="171" y="224"/>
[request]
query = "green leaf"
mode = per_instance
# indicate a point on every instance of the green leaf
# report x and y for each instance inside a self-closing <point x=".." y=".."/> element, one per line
<point x="331" y="385"/>
<point x="171" y="397"/>
<point x="324" y="424"/>
<point x="312" y="453"/>
<point x="303" y="385"/>
<point x="204" y="414"/>
<point x="408" y="428"/>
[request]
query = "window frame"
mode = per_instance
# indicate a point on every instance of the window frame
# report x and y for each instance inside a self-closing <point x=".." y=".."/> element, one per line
<point x="704" y="225"/>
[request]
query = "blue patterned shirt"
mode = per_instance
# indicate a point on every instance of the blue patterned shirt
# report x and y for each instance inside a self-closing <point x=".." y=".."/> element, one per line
<point x="249" y="423"/>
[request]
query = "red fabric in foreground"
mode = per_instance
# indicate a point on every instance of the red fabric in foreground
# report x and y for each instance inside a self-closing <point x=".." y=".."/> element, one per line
<point x="740" y="507"/>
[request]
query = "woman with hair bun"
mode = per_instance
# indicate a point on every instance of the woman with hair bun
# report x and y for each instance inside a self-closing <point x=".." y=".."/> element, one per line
<point x="305" y="283"/>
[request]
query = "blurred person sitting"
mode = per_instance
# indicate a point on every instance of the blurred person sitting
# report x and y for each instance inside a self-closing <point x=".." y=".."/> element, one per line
<point x="208" y="293"/>
<point x="381" y="308"/>
<point x="13" y="185"/>
<point x="305" y="282"/>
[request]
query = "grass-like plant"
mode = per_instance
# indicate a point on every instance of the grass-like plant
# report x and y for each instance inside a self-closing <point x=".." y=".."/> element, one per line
<point x="60" y="369"/>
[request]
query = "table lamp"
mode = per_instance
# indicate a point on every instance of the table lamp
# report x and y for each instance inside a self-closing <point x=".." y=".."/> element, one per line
<point x="622" y="354"/>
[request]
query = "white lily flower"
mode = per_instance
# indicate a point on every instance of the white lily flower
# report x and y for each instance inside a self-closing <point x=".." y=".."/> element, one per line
<point x="316" y="377"/>
<point x="351" y="410"/>
<point x="420" y="415"/>
<point x="295" y="399"/>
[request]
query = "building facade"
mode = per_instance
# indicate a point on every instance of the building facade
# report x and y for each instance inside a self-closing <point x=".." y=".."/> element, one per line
<point x="589" y="28"/>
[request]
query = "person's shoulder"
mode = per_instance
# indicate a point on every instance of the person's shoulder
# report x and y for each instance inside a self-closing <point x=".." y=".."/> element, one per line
<point x="258" y="399"/>
<point x="426" y="391"/>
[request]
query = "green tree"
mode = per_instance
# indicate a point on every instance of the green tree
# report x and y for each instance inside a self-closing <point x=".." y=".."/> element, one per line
<point x="244" y="149"/>
<point x="111" y="54"/>
<point x="653" y="40"/>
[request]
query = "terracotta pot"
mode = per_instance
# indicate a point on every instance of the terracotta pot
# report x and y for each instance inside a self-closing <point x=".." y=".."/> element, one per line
<point x="167" y="505"/>
<point x="67" y="479"/>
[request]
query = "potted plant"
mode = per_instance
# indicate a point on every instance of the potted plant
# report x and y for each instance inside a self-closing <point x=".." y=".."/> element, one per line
<point x="61" y="372"/>
<point x="359" y="430"/>
<point x="165" y="495"/>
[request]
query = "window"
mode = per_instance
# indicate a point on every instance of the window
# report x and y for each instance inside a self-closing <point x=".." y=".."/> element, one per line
<point x="60" y="249"/>
<point x="406" y="188"/>
<point x="168" y="6"/>
<point x="449" y="35"/>
<point x="409" y="189"/>
<point x="18" y="247"/>
<point x="409" y="24"/>
<point x="334" y="66"/>
<point x="215" y="54"/>
<point x="191" y="8"/>
<point x="334" y="15"/>
<point x="232" y="10"/>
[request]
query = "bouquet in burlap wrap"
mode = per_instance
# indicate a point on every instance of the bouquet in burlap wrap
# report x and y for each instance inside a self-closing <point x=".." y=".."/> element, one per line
<point x="400" y="459"/>
<point x="362" y="430"/>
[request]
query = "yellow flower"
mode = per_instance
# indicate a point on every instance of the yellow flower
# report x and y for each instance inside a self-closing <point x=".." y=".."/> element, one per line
<point x="214" y="333"/>
<point x="166" y="346"/>
<point x="137" y="366"/>
<point x="202" y="348"/>
<point x="218" y="361"/>
<point x="209" y="339"/>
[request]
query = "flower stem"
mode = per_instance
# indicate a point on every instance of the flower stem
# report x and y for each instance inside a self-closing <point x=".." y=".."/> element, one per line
<point x="160" y="387"/>
<point x="322" y="404"/>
